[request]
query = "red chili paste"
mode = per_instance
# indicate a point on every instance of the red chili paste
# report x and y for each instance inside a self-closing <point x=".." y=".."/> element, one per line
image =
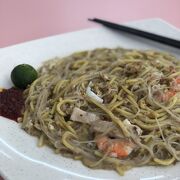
<point x="11" y="103"/>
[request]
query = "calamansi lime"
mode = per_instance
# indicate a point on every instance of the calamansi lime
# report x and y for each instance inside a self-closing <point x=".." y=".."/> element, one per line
<point x="23" y="75"/>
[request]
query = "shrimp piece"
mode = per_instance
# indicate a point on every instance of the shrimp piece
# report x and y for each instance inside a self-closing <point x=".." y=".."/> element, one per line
<point x="167" y="95"/>
<point x="164" y="97"/>
<point x="178" y="80"/>
<point x="176" y="84"/>
<point x="120" y="148"/>
<point x="175" y="87"/>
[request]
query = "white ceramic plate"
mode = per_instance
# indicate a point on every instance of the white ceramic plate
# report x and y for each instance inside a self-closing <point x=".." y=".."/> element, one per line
<point x="20" y="158"/>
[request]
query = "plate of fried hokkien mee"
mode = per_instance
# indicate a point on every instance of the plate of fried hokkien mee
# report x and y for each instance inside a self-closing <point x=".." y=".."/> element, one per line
<point x="112" y="110"/>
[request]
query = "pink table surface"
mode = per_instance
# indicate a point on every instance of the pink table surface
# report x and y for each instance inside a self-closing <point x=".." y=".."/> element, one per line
<point x="22" y="20"/>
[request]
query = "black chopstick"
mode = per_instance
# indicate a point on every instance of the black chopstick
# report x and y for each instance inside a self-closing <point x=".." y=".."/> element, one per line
<point x="145" y="34"/>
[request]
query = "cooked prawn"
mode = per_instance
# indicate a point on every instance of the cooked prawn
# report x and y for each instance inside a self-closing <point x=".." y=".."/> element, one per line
<point x="120" y="148"/>
<point x="175" y="87"/>
<point x="167" y="95"/>
<point x="177" y="80"/>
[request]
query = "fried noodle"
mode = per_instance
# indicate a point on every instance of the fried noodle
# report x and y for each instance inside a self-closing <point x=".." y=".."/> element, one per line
<point x="121" y="95"/>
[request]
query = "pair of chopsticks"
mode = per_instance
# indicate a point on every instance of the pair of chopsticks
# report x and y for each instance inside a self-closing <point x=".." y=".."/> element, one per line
<point x="145" y="34"/>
